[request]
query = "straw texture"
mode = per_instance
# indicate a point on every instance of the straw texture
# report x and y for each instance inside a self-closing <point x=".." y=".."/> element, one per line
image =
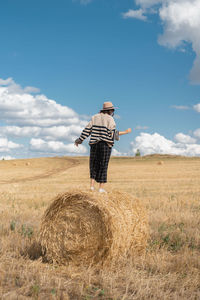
<point x="90" y="228"/>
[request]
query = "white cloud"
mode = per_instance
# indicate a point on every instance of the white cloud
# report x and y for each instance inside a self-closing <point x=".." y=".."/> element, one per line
<point x="138" y="127"/>
<point x="181" y="107"/>
<point x="184" y="139"/>
<point x="50" y="133"/>
<point x="181" y="23"/>
<point x="31" y="89"/>
<point x="55" y="147"/>
<point x="16" y="131"/>
<point x="62" y="132"/>
<point x="136" y="14"/>
<point x="116" y="116"/>
<point x="197" y="107"/>
<point x="7" y="81"/>
<point x="16" y="88"/>
<point x="147" y="3"/>
<point x="115" y="152"/>
<point x="156" y="143"/>
<point x="197" y="133"/>
<point x="6" y="145"/>
<point x="35" y="116"/>
<point x="23" y="109"/>
<point x="85" y="1"/>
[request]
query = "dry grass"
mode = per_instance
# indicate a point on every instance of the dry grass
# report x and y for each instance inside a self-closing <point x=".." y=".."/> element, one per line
<point x="169" y="269"/>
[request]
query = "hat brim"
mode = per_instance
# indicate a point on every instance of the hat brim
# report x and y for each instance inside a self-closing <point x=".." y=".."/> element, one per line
<point x="109" y="108"/>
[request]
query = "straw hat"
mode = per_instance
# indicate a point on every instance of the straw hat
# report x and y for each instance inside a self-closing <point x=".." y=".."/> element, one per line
<point x="108" y="106"/>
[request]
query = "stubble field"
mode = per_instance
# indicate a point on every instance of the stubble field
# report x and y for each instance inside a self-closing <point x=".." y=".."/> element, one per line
<point x="170" y="267"/>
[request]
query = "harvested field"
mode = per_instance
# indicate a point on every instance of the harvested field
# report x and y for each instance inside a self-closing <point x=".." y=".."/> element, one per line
<point x="33" y="169"/>
<point x="170" y="267"/>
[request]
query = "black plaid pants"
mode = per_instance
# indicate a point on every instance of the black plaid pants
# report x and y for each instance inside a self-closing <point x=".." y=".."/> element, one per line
<point x="99" y="159"/>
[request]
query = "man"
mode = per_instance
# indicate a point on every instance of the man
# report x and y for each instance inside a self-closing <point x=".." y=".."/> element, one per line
<point x="102" y="129"/>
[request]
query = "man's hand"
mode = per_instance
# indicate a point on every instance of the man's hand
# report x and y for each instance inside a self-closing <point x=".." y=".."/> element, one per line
<point x="77" y="142"/>
<point x="128" y="130"/>
<point x="125" y="131"/>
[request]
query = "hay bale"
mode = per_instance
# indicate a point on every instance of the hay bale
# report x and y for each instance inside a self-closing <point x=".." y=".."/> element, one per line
<point x="28" y="163"/>
<point x="86" y="228"/>
<point x="160" y="163"/>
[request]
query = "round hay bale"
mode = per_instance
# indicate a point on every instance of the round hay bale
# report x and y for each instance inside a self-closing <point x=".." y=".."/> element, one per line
<point x="160" y="163"/>
<point x="28" y="163"/>
<point x="89" y="228"/>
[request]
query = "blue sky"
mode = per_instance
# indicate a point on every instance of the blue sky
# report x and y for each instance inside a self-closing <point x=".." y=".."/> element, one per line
<point x="141" y="55"/>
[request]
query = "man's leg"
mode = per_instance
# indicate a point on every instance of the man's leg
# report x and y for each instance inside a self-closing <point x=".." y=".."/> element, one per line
<point x="101" y="185"/>
<point x="92" y="181"/>
<point x="105" y="152"/>
<point x="93" y="165"/>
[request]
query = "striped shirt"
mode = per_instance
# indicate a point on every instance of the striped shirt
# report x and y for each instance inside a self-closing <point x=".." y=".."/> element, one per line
<point x="100" y="128"/>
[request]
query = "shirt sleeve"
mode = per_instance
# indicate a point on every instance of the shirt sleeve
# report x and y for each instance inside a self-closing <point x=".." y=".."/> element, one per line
<point x="116" y="135"/>
<point x="86" y="131"/>
<point x="111" y="128"/>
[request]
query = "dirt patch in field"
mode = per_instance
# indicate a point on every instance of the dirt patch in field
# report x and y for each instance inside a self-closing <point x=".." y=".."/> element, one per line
<point x="15" y="171"/>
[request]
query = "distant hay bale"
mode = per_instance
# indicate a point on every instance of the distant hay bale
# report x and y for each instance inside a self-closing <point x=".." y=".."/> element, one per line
<point x="160" y="163"/>
<point x="89" y="228"/>
<point x="14" y="164"/>
<point x="28" y="163"/>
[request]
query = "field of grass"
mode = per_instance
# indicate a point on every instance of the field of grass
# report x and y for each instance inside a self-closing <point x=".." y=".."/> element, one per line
<point x="170" y="267"/>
